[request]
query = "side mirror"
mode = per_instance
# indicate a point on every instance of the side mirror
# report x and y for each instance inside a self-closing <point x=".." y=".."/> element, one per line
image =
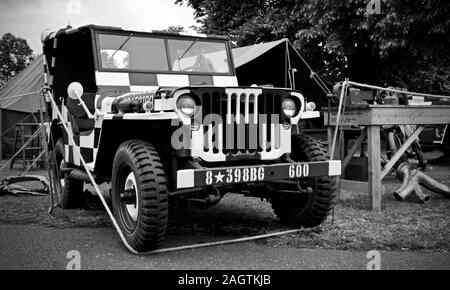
<point x="75" y="91"/>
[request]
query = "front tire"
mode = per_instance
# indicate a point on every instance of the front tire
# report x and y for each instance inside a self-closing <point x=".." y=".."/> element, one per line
<point x="69" y="190"/>
<point x="139" y="194"/>
<point x="307" y="210"/>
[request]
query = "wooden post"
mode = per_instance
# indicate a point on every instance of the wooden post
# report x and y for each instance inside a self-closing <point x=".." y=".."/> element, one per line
<point x="329" y="138"/>
<point x="373" y="136"/>
<point x="24" y="152"/>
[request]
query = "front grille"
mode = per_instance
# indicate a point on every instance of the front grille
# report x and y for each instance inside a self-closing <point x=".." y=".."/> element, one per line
<point x="248" y="118"/>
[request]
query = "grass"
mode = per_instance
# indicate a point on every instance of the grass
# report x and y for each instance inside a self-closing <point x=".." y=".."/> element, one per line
<point x="399" y="226"/>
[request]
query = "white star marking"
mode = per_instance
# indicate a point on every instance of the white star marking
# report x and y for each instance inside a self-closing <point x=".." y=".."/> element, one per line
<point x="219" y="176"/>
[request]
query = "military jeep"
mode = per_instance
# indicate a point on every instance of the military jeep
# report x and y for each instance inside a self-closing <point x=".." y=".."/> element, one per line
<point x="160" y="116"/>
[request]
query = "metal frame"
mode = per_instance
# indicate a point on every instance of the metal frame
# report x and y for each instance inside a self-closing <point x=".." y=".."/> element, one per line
<point x="165" y="38"/>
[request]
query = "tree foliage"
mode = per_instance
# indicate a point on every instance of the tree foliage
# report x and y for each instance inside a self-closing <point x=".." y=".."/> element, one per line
<point x="406" y="45"/>
<point x="15" y="55"/>
<point x="177" y="28"/>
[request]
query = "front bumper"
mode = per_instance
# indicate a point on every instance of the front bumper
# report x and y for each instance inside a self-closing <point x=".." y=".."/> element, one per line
<point x="218" y="176"/>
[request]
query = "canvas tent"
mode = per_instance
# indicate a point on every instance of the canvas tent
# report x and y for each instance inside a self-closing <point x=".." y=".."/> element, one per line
<point x="270" y="63"/>
<point x="23" y="109"/>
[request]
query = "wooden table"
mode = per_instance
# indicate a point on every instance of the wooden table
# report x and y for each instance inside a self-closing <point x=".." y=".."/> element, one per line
<point x="373" y="117"/>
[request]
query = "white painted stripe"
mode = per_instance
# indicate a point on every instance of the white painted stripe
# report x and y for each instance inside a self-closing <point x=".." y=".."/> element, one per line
<point x="95" y="154"/>
<point x="334" y="168"/>
<point x="310" y="115"/>
<point x="145" y="116"/>
<point x="66" y="153"/>
<point x="185" y="178"/>
<point x="87" y="141"/>
<point x="210" y="138"/>
<point x="225" y="81"/>
<point x="229" y="110"/>
<point x="72" y="30"/>
<point x="164" y="104"/>
<point x="173" y="80"/>
<point x="76" y="156"/>
<point x="143" y="88"/>
<point x="238" y="108"/>
<point x="255" y="109"/>
<point x="220" y="133"/>
<point x="90" y="166"/>
<point x="193" y="34"/>
<point x="112" y="79"/>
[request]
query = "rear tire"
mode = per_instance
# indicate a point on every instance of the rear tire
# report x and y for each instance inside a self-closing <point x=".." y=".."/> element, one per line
<point x="139" y="194"/>
<point x="307" y="210"/>
<point x="70" y="190"/>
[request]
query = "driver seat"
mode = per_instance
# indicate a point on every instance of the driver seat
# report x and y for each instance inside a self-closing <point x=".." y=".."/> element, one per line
<point x="203" y="64"/>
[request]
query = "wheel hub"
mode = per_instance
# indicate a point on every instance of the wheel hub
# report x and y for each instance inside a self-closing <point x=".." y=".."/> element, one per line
<point x="61" y="174"/>
<point x="129" y="197"/>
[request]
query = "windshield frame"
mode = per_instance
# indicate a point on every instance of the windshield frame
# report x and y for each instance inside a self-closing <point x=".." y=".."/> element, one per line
<point x="165" y="37"/>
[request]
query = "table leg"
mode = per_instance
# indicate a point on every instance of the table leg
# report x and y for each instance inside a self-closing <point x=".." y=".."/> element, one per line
<point x="329" y="138"/>
<point x="373" y="136"/>
<point x="330" y="133"/>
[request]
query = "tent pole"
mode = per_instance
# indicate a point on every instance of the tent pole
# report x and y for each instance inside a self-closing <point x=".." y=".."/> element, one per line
<point x="290" y="70"/>
<point x="1" y="133"/>
<point x="286" y="65"/>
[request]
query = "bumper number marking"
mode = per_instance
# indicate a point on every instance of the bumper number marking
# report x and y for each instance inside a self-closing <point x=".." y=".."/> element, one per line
<point x="299" y="170"/>
<point x="236" y="175"/>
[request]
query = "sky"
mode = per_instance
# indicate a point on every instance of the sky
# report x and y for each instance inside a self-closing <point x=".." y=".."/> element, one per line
<point x="29" y="18"/>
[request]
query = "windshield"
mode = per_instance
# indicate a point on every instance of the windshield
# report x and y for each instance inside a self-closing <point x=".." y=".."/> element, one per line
<point x="198" y="56"/>
<point x="140" y="53"/>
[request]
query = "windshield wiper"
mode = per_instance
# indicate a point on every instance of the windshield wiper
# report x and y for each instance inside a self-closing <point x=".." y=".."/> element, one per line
<point x="123" y="44"/>
<point x="187" y="49"/>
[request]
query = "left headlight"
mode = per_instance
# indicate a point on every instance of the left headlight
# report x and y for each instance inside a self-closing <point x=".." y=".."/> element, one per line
<point x="289" y="107"/>
<point x="186" y="104"/>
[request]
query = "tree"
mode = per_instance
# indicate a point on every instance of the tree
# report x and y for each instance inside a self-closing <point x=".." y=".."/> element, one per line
<point x="173" y="28"/>
<point x="406" y="45"/>
<point x="15" y="55"/>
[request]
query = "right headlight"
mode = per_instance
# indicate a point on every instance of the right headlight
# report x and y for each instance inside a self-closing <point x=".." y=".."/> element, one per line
<point x="186" y="105"/>
<point x="289" y="107"/>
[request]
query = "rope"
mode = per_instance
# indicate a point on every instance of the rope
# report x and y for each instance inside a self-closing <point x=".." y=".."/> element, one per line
<point x="398" y="91"/>
<point x="338" y="117"/>
<point x="239" y="240"/>
<point x="45" y="141"/>
<point x="318" y="80"/>
<point x="35" y="160"/>
<point x="12" y="127"/>
<point x="19" y="96"/>
<point x="91" y="178"/>
<point x="21" y="148"/>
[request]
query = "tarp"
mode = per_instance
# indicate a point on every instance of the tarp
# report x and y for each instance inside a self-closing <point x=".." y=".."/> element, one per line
<point x="269" y="64"/>
<point x="29" y="80"/>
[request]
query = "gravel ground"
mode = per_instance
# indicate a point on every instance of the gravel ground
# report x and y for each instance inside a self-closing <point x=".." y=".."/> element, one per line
<point x="400" y="226"/>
